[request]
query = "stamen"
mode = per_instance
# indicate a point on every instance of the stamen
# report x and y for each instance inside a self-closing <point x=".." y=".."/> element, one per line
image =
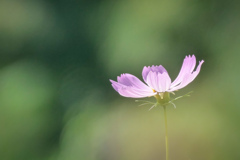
<point x="154" y="90"/>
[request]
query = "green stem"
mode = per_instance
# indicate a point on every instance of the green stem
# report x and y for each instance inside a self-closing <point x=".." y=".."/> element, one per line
<point x="166" y="131"/>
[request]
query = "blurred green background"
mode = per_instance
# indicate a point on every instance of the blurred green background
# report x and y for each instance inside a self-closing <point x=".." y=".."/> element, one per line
<point x="56" y="59"/>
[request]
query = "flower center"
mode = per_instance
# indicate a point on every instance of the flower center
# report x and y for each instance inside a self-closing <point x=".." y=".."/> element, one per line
<point x="154" y="90"/>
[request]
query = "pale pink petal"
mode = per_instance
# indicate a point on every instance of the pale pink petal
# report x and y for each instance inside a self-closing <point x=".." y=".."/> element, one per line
<point x="146" y="70"/>
<point x="130" y="80"/>
<point x="164" y="82"/>
<point x="188" y="78"/>
<point x="117" y="85"/>
<point x="130" y="86"/>
<point x="152" y="80"/>
<point x="135" y="93"/>
<point x="160" y="82"/>
<point x="188" y="66"/>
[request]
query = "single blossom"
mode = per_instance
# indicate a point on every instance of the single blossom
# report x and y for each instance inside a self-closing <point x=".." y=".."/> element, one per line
<point x="157" y="80"/>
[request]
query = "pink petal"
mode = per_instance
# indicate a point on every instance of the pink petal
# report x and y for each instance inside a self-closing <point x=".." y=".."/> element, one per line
<point x="130" y="86"/>
<point x="130" y="80"/>
<point x="152" y="80"/>
<point x="135" y="93"/>
<point x="117" y="85"/>
<point x="164" y="82"/>
<point x="188" y="78"/>
<point x="146" y="70"/>
<point x="188" y="66"/>
<point x="160" y="82"/>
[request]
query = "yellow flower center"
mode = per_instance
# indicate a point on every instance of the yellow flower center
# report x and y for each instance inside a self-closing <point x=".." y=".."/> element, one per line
<point x="154" y="91"/>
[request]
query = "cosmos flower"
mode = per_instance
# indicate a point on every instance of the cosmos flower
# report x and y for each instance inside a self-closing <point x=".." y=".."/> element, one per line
<point x="157" y="80"/>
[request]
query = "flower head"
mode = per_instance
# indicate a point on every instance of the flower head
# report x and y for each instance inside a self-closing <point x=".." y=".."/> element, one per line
<point x="157" y="80"/>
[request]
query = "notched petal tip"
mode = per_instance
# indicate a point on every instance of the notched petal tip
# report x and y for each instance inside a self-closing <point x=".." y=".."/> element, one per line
<point x="190" y="57"/>
<point x="112" y="81"/>
<point x="189" y="63"/>
<point x="187" y="78"/>
<point x="199" y="65"/>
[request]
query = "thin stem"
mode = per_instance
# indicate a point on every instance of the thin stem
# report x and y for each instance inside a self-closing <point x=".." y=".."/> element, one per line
<point x="166" y="131"/>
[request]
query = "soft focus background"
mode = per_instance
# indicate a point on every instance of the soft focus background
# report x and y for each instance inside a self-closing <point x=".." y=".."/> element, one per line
<point x="56" y="59"/>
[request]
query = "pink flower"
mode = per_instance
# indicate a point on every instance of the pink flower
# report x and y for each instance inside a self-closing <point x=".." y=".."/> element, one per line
<point x="157" y="80"/>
